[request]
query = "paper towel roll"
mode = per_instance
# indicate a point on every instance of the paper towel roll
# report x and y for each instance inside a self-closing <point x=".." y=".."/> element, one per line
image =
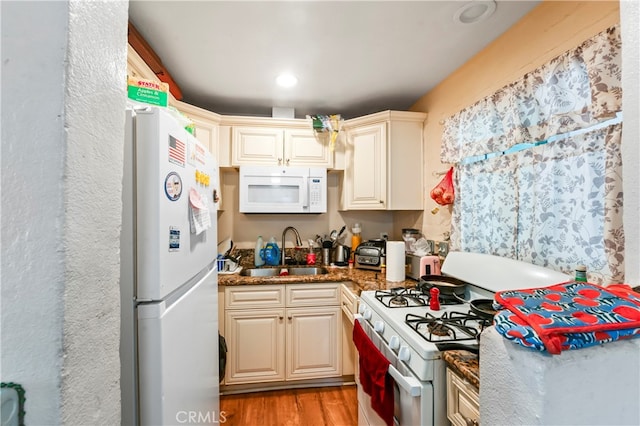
<point x="395" y="261"/>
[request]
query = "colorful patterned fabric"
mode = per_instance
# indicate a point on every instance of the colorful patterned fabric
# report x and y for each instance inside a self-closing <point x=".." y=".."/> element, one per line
<point x="569" y="315"/>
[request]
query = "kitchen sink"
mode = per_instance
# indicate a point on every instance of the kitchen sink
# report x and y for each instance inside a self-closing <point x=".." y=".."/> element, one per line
<point x="307" y="270"/>
<point x="274" y="272"/>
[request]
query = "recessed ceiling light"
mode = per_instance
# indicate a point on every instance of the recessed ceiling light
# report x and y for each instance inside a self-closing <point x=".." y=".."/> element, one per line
<point x="286" y="80"/>
<point x="475" y="11"/>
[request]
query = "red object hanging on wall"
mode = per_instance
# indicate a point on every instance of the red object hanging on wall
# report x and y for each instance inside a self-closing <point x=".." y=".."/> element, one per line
<point x="443" y="192"/>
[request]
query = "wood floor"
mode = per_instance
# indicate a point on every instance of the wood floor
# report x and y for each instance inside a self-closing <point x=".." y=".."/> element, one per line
<point x="328" y="406"/>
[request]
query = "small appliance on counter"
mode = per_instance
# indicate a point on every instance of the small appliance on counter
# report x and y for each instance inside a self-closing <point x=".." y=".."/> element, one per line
<point x="370" y="255"/>
<point x="418" y="266"/>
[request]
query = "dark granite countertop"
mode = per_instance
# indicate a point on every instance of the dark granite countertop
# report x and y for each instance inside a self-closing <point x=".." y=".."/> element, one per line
<point x="465" y="364"/>
<point x="362" y="279"/>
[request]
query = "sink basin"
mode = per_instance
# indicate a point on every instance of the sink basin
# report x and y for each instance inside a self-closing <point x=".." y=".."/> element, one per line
<point x="311" y="270"/>
<point x="260" y="272"/>
<point x="274" y="272"/>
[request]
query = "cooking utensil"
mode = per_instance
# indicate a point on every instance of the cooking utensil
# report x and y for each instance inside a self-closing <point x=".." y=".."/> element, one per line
<point x="448" y="286"/>
<point x="481" y="307"/>
<point x="333" y="237"/>
<point x="458" y="346"/>
<point x="228" y="252"/>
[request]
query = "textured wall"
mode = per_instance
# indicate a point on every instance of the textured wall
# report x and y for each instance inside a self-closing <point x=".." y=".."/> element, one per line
<point x="94" y="121"/>
<point x="63" y="73"/>
<point x="590" y="386"/>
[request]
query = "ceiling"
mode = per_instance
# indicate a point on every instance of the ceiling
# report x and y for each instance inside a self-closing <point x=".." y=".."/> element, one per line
<point x="350" y="57"/>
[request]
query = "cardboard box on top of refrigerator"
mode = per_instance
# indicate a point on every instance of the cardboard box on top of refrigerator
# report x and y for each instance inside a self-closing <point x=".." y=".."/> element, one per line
<point x="147" y="91"/>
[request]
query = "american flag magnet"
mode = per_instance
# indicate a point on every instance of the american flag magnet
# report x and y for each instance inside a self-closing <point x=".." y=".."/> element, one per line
<point x="177" y="151"/>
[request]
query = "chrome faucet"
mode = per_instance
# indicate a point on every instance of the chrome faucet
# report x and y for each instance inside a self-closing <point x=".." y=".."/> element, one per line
<point x="298" y="240"/>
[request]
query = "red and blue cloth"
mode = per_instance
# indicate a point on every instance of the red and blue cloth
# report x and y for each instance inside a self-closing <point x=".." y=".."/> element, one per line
<point x="570" y="315"/>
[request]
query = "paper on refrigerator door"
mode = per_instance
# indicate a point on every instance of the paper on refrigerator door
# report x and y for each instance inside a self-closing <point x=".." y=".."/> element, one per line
<point x="199" y="214"/>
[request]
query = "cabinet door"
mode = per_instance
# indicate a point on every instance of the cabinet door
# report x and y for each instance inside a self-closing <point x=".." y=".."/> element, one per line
<point x="257" y="145"/>
<point x="463" y="405"/>
<point x="366" y="170"/>
<point x="256" y="346"/>
<point x="314" y="343"/>
<point x="302" y="148"/>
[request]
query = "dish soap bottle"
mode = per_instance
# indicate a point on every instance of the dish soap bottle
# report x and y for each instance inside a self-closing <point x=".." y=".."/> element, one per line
<point x="356" y="239"/>
<point x="257" y="257"/>
<point x="272" y="252"/>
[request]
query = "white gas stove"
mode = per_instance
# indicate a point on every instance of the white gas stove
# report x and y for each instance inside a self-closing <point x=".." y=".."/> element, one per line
<point x="412" y="336"/>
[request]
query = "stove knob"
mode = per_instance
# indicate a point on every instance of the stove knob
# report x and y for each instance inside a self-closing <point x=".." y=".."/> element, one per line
<point x="378" y="326"/>
<point x="394" y="342"/>
<point x="367" y="314"/>
<point x="404" y="354"/>
<point x="361" y="309"/>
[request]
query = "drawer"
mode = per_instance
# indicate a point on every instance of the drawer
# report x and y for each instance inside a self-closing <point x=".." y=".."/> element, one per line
<point x="463" y="402"/>
<point x="254" y="296"/>
<point x="313" y="295"/>
<point x="349" y="302"/>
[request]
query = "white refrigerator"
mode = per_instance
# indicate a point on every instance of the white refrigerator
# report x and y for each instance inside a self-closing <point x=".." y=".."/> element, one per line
<point x="169" y="282"/>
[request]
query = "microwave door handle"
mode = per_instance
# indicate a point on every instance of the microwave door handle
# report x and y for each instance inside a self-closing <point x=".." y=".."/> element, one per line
<point x="305" y="185"/>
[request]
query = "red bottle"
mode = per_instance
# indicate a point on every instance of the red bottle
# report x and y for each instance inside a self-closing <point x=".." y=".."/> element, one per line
<point x="434" y="300"/>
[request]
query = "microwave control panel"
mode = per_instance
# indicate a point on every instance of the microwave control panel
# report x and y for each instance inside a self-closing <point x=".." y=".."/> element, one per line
<point x="315" y="192"/>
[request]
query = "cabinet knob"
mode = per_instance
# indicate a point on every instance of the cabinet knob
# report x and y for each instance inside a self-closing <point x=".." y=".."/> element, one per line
<point x="279" y="160"/>
<point x="288" y="161"/>
<point x="281" y="317"/>
<point x="290" y="317"/>
<point x="381" y="202"/>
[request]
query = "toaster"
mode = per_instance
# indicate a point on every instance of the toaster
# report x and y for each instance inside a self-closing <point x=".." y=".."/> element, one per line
<point x="370" y="255"/>
<point x="417" y="266"/>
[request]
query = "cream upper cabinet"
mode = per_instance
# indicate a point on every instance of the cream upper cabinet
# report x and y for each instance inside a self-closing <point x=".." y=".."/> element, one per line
<point x="277" y="142"/>
<point x="384" y="162"/>
<point x="257" y="145"/>
<point x="207" y="126"/>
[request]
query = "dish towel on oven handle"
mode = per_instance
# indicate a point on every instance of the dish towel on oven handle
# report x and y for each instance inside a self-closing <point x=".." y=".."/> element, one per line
<point x="570" y="315"/>
<point x="374" y="376"/>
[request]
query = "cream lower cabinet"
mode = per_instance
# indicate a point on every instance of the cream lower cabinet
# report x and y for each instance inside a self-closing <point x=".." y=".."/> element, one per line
<point x="282" y="332"/>
<point x="463" y="402"/>
<point x="384" y="162"/>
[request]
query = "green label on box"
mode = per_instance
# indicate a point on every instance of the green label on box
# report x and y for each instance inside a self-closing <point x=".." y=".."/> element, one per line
<point x="149" y="96"/>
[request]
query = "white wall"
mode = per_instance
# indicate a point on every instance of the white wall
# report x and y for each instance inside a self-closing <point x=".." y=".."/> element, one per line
<point x="63" y="68"/>
<point x="629" y="24"/>
<point x="32" y="202"/>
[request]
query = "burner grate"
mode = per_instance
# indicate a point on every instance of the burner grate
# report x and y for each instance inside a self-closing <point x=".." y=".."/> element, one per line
<point x="401" y="297"/>
<point x="450" y="327"/>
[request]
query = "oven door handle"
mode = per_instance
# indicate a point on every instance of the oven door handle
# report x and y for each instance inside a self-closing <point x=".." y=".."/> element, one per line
<point x="409" y="384"/>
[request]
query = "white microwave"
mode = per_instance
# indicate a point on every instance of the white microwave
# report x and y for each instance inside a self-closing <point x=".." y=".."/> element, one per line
<point x="265" y="189"/>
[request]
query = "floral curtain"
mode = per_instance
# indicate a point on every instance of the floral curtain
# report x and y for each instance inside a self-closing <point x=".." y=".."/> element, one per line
<point x="576" y="90"/>
<point x="484" y="218"/>
<point x="570" y="205"/>
<point x="556" y="205"/>
<point x="559" y="203"/>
